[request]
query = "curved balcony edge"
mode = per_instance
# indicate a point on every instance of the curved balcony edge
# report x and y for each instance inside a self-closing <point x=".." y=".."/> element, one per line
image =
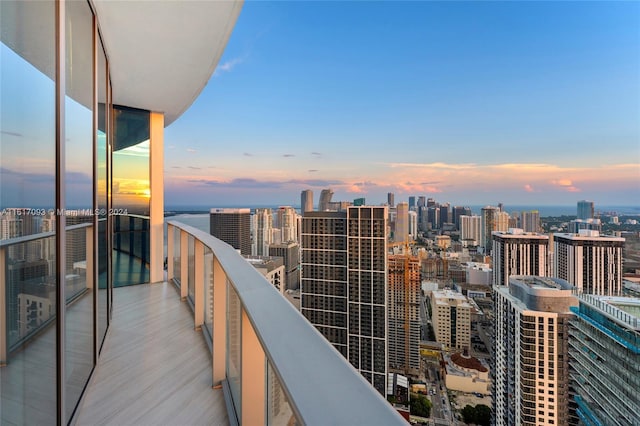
<point x="321" y="386"/>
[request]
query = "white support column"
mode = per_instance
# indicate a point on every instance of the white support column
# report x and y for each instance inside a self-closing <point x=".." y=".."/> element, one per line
<point x="184" y="265"/>
<point x="219" y="353"/>
<point x="198" y="282"/>
<point x="3" y="307"/>
<point x="170" y="237"/>
<point x="254" y="372"/>
<point x="89" y="271"/>
<point x="156" y="202"/>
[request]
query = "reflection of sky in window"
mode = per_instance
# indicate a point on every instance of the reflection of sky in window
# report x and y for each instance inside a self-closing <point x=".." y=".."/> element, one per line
<point x="27" y="139"/>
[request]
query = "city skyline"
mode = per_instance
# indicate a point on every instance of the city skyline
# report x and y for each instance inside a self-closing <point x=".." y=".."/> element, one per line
<point x="527" y="103"/>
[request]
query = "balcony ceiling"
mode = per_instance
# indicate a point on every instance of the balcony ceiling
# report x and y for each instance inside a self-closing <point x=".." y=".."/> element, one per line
<point x="162" y="53"/>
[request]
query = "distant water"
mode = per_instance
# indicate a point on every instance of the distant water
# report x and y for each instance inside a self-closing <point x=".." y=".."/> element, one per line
<point x="201" y="221"/>
<point x="546" y="211"/>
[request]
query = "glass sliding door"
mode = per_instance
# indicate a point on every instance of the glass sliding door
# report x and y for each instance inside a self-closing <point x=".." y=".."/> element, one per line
<point x="27" y="213"/>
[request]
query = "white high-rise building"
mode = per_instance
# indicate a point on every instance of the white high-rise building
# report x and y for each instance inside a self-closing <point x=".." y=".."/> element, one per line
<point x="413" y="224"/>
<point x="288" y="223"/>
<point x="516" y="252"/>
<point x="530" y="363"/>
<point x="261" y="232"/>
<point x="590" y="261"/>
<point x="471" y="229"/>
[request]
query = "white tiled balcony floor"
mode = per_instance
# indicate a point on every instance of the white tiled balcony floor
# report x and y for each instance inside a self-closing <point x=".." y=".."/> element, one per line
<point x="155" y="369"/>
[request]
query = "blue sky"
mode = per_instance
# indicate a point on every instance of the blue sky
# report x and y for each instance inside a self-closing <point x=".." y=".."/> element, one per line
<point x="472" y="103"/>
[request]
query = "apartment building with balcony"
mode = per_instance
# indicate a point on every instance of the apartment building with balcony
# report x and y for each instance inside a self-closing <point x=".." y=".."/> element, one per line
<point x="604" y="354"/>
<point x="85" y="84"/>
<point x="530" y="369"/>
<point x="403" y="303"/>
<point x="516" y="252"/>
<point x="590" y="261"/>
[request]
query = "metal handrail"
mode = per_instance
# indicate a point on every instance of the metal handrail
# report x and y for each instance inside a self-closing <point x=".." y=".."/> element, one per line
<point x="322" y="387"/>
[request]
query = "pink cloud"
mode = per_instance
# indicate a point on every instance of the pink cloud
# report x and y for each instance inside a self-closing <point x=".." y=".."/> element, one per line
<point x="529" y="188"/>
<point x="355" y="189"/>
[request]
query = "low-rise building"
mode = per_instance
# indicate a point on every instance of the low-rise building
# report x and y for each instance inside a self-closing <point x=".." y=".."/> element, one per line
<point x="467" y="374"/>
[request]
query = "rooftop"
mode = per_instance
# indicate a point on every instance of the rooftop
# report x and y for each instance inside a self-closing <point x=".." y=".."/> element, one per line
<point x="623" y="310"/>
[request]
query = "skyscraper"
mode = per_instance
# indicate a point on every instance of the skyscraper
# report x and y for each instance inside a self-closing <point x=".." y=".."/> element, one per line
<point x="344" y="284"/>
<point x="591" y="262"/>
<point x="413" y="224"/>
<point x="404" y="314"/>
<point x="585" y="209"/>
<point x="604" y="355"/>
<point x="325" y="200"/>
<point x="306" y="201"/>
<point x="530" y="363"/>
<point x="288" y="224"/>
<point x="412" y="202"/>
<point x="470" y="229"/>
<point x="518" y="253"/>
<point x="391" y="199"/>
<point x="460" y="211"/>
<point x="445" y="214"/>
<point x="489" y="224"/>
<point x="233" y="226"/>
<point x="433" y="217"/>
<point x="530" y="221"/>
<point x="402" y="223"/>
<point x="261" y="232"/>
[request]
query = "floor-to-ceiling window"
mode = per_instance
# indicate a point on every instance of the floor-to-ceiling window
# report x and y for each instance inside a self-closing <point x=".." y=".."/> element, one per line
<point x="27" y="213"/>
<point x="54" y="163"/>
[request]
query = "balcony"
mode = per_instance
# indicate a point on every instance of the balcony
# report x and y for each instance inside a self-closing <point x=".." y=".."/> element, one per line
<point x="214" y="343"/>
<point x="272" y="364"/>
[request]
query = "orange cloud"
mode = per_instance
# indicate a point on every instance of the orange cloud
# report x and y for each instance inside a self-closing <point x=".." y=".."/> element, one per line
<point x="562" y="182"/>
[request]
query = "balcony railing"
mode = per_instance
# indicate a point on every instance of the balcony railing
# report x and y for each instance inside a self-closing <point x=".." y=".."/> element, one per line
<point x="276" y="368"/>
